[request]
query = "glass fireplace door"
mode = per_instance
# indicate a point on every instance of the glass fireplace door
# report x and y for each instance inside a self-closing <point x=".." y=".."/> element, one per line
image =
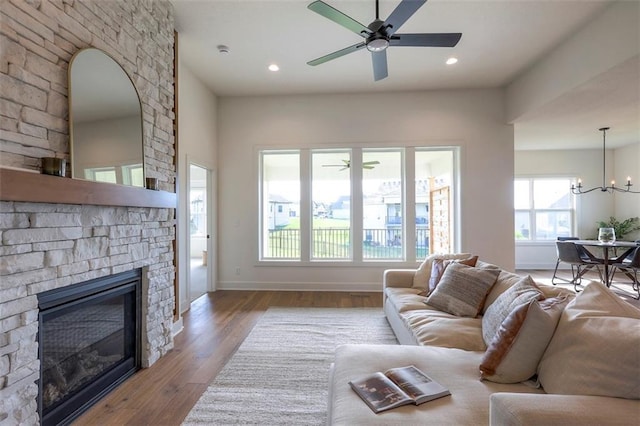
<point x="88" y="345"/>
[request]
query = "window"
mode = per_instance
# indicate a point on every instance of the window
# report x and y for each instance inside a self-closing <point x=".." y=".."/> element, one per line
<point x="280" y="200"/>
<point x="132" y="174"/>
<point x="101" y="174"/>
<point x="331" y="199"/>
<point x="382" y="204"/>
<point x="544" y="209"/>
<point x="353" y="204"/>
<point x="433" y="200"/>
<point x="198" y="211"/>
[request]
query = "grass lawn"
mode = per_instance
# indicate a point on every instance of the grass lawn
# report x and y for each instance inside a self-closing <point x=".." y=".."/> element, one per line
<point x="320" y="223"/>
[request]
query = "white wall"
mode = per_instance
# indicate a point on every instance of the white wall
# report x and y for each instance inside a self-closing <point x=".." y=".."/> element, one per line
<point x="590" y="208"/>
<point x="472" y="119"/>
<point x="627" y="160"/>
<point x="197" y="143"/>
<point x="609" y="39"/>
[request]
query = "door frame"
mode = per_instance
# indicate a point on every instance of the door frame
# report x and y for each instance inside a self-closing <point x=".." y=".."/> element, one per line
<point x="211" y="230"/>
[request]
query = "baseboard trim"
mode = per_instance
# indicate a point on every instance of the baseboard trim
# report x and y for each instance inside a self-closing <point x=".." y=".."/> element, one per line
<point x="540" y="266"/>
<point x="178" y="326"/>
<point x="308" y="286"/>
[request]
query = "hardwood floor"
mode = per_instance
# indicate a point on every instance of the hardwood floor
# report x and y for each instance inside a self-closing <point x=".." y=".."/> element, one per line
<point x="215" y="326"/>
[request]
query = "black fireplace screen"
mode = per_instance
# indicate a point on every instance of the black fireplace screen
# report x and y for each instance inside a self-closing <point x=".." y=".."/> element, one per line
<point x="88" y="341"/>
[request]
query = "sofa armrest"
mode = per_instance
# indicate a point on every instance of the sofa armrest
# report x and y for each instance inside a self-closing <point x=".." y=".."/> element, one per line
<point x="562" y="410"/>
<point x="398" y="278"/>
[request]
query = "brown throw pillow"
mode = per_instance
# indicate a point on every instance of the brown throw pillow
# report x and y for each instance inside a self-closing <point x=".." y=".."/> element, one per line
<point x="462" y="289"/>
<point x="439" y="266"/>
<point x="513" y="354"/>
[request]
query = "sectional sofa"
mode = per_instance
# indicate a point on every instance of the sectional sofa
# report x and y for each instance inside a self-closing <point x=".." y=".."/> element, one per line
<point x="511" y="351"/>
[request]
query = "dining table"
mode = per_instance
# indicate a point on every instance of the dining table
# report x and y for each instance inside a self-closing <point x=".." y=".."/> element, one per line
<point x="607" y="258"/>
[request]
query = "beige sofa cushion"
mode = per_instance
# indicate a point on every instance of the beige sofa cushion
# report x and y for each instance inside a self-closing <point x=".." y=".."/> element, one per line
<point x="596" y="347"/>
<point x="463" y="289"/>
<point x="405" y="299"/>
<point x="436" y="328"/>
<point x="515" y="409"/>
<point x="520" y="293"/>
<point x="423" y="273"/>
<point x="455" y="369"/>
<point x="514" y="352"/>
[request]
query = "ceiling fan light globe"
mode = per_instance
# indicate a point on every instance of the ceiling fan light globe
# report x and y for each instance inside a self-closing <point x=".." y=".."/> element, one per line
<point x="377" y="44"/>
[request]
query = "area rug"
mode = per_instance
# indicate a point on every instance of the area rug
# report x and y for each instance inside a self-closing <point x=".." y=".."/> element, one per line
<point x="279" y="374"/>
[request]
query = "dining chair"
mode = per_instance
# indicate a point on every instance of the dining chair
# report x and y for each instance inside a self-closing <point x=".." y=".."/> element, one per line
<point x="580" y="260"/>
<point x="630" y="266"/>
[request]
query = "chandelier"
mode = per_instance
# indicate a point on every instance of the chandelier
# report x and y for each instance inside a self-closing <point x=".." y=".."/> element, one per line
<point x="577" y="189"/>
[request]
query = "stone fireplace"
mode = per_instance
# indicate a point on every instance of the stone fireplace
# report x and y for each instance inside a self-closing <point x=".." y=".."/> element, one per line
<point x="56" y="232"/>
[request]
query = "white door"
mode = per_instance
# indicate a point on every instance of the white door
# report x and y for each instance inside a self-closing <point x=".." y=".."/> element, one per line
<point x="200" y="209"/>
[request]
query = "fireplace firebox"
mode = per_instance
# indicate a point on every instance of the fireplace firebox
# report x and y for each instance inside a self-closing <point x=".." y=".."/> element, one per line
<point x="89" y="342"/>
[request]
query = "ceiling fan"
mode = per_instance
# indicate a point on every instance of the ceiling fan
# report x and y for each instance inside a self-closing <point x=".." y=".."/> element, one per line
<point x="379" y="35"/>
<point x="347" y="164"/>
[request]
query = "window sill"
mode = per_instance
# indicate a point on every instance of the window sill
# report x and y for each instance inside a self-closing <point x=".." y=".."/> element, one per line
<point x="535" y="243"/>
<point x="387" y="264"/>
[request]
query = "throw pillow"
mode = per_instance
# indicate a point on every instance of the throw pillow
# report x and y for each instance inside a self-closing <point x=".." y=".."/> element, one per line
<point x="462" y="289"/>
<point x="596" y="347"/>
<point x="521" y="292"/>
<point x="513" y="354"/>
<point x="438" y="267"/>
<point x="423" y="273"/>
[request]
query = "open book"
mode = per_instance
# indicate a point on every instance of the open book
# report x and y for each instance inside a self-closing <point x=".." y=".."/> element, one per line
<point x="396" y="387"/>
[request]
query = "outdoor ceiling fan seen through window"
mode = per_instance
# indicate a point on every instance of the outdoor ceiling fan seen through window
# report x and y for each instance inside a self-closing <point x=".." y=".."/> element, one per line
<point x="347" y="164"/>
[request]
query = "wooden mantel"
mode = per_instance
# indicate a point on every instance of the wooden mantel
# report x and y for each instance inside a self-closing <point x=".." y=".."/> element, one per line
<point x="16" y="185"/>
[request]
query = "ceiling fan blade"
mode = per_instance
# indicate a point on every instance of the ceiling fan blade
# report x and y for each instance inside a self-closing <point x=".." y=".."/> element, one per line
<point x="401" y="14"/>
<point x="426" y="40"/>
<point x="370" y="163"/>
<point x="379" y="60"/>
<point x="339" y="18"/>
<point x="336" y="54"/>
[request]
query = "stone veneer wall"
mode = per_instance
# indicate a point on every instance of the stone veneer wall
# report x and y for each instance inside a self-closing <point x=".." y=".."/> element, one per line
<point x="47" y="246"/>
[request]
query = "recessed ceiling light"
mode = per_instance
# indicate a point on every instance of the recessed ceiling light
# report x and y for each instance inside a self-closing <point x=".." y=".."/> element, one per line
<point x="223" y="49"/>
<point x="274" y="67"/>
<point x="452" y="61"/>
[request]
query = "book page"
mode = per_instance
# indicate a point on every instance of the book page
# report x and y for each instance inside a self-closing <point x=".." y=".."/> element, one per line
<point x="416" y="384"/>
<point x="379" y="392"/>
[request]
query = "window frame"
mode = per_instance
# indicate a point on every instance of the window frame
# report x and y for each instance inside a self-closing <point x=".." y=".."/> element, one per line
<point x="305" y="210"/>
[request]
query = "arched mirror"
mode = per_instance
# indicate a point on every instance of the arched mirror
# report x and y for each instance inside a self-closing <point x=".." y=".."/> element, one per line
<point x="105" y="119"/>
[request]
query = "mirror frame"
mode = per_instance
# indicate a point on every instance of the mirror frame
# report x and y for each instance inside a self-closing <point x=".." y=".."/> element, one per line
<point x="73" y="143"/>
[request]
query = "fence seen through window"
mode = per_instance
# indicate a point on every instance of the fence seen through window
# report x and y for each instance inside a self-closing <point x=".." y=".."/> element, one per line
<point x="334" y="243"/>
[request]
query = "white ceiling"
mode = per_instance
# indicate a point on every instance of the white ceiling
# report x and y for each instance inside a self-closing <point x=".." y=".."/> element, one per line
<point x="501" y="39"/>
